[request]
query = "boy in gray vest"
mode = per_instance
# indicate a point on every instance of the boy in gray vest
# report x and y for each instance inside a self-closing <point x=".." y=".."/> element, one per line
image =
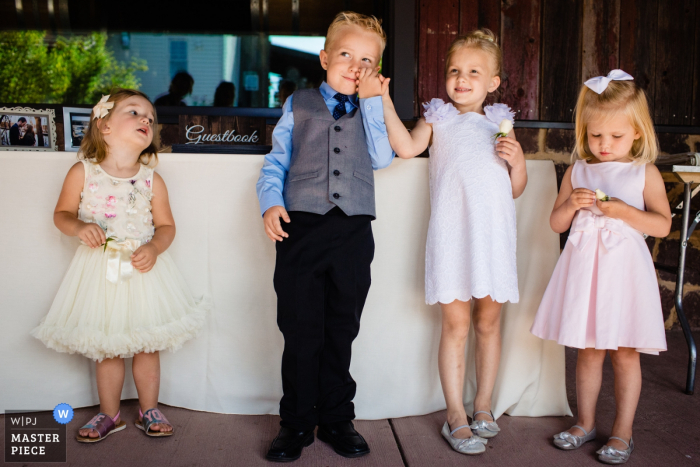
<point x="319" y="180"/>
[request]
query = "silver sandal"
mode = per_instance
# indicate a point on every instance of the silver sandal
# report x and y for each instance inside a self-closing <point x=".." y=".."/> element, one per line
<point x="485" y="428"/>
<point x="610" y="455"/>
<point x="568" y="441"/>
<point x="471" y="446"/>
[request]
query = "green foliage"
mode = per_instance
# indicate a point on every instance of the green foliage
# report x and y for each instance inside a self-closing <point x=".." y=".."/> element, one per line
<point x="23" y="71"/>
<point x="74" y="70"/>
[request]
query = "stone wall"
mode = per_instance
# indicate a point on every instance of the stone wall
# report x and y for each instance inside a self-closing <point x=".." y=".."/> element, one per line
<point x="556" y="145"/>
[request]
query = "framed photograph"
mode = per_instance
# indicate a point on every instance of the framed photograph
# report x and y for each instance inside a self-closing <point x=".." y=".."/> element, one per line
<point x="25" y="129"/>
<point x="75" y="124"/>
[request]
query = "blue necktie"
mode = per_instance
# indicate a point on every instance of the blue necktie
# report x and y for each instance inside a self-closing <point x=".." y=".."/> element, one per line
<point x="339" y="110"/>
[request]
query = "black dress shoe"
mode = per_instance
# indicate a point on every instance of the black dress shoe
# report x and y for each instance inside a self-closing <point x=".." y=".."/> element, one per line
<point x="344" y="439"/>
<point x="288" y="444"/>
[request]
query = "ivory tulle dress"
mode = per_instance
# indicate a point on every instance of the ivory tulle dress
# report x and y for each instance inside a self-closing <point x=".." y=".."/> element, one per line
<point x="471" y="246"/>
<point x="603" y="292"/>
<point x="104" y="308"/>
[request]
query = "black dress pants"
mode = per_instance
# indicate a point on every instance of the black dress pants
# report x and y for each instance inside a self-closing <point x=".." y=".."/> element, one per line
<point x="322" y="276"/>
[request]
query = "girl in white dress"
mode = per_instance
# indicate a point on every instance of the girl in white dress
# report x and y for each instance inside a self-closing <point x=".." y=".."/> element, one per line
<point x="122" y="295"/>
<point x="470" y="252"/>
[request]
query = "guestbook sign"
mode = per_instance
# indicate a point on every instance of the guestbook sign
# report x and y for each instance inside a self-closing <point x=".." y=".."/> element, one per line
<point x="224" y="131"/>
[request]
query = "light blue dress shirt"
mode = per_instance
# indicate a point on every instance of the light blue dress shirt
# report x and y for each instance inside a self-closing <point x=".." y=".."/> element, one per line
<point x="277" y="162"/>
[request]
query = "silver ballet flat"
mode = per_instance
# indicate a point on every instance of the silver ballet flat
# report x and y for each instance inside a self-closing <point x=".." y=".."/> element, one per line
<point x="609" y="455"/>
<point x="485" y="428"/>
<point x="568" y="441"/>
<point x="471" y="446"/>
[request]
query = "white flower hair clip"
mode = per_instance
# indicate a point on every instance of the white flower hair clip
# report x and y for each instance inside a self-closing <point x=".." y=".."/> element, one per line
<point x="600" y="83"/>
<point x="102" y="108"/>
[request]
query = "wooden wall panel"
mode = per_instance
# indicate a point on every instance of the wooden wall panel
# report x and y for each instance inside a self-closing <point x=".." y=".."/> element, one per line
<point x="448" y="17"/>
<point x="438" y="27"/>
<point x="427" y="53"/>
<point x="674" y="67"/>
<point x="551" y="47"/>
<point x="490" y="15"/>
<point x="561" y="59"/>
<point x="638" y="33"/>
<point x="468" y="15"/>
<point x="600" y="51"/>
<point x="475" y="14"/>
<point x="520" y="42"/>
<point x="478" y="14"/>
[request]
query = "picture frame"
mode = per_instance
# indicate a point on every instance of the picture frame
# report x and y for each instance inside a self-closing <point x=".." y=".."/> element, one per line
<point x="27" y="129"/>
<point x="75" y="123"/>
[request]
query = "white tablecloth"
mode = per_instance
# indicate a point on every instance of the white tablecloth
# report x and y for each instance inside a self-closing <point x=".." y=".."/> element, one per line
<point x="234" y="365"/>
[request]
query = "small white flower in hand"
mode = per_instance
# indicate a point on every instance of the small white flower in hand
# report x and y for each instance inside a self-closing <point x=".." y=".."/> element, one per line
<point x="102" y="107"/>
<point x="601" y="196"/>
<point x="504" y="128"/>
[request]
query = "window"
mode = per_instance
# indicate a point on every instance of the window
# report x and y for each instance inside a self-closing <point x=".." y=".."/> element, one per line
<point x="178" y="56"/>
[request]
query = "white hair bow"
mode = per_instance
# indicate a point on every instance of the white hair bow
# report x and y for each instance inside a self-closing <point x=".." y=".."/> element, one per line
<point x="600" y="83"/>
<point x="102" y="107"/>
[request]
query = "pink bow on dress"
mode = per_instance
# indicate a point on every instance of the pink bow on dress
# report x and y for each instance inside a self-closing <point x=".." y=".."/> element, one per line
<point x="588" y="225"/>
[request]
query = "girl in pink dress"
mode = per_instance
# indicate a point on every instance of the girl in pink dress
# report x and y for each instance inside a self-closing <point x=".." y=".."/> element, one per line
<point x="603" y="295"/>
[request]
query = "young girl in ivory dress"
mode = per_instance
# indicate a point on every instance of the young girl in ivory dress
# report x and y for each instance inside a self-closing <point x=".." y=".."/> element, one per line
<point x="470" y="252"/>
<point x="122" y="295"/>
<point x="603" y="296"/>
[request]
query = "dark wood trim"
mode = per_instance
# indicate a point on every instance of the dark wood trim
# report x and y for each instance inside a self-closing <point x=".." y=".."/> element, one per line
<point x="218" y="149"/>
<point x="685" y="130"/>
<point x="401" y="51"/>
<point x="560" y="74"/>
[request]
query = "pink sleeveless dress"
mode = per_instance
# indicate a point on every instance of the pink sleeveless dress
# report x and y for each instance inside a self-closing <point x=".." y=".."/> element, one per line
<point x="603" y="292"/>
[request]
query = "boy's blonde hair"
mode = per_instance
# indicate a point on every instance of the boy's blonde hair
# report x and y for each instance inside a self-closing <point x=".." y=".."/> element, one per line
<point x="347" y="18"/>
<point x="94" y="147"/>
<point x="483" y="39"/>
<point x="619" y="97"/>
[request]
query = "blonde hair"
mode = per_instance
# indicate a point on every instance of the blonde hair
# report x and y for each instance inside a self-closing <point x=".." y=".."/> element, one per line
<point x="482" y="39"/>
<point x="619" y="97"/>
<point x="94" y="147"/>
<point x="348" y="18"/>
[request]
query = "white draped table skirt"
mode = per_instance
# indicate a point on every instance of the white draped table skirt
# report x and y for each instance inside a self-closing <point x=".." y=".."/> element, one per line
<point x="233" y="366"/>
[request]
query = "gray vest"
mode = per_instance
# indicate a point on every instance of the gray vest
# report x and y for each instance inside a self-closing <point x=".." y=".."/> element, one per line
<point x="330" y="163"/>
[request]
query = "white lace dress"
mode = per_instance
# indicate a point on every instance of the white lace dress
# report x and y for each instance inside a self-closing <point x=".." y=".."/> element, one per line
<point x="104" y="308"/>
<point x="471" y="244"/>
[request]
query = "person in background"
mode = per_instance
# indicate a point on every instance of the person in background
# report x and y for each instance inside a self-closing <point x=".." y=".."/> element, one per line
<point x="28" y="138"/>
<point x="180" y="86"/>
<point x="286" y="89"/>
<point x="15" y="131"/>
<point x="225" y="94"/>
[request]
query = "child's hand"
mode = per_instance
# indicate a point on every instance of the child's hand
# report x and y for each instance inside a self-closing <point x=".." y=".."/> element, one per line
<point x="91" y="234"/>
<point x="581" y="198"/>
<point x="144" y="257"/>
<point x="273" y="226"/>
<point x="385" y="85"/>
<point x="368" y="83"/>
<point x="614" y="208"/>
<point x="510" y="150"/>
